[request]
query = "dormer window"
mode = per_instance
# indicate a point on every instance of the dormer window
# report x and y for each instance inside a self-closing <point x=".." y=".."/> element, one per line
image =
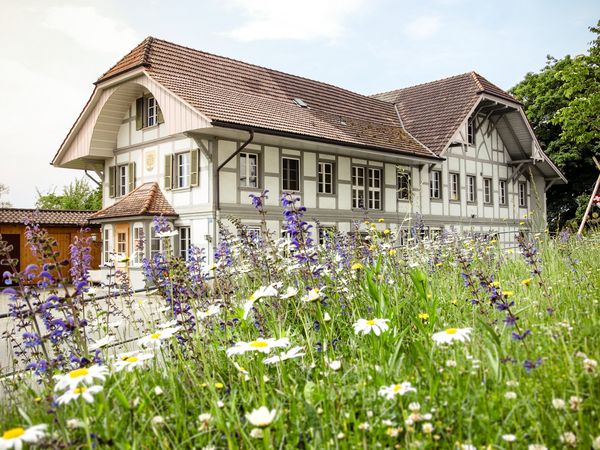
<point x="147" y="112"/>
<point x="471" y="132"/>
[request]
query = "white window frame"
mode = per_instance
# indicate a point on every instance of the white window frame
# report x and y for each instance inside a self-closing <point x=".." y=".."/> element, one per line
<point x="156" y="243"/>
<point x="471" y="188"/>
<point x="151" y="112"/>
<point x="359" y="183"/>
<point x="454" y="186"/>
<point x="285" y="181"/>
<point x="374" y="195"/>
<point x="471" y="131"/>
<point x="122" y="180"/>
<point x="255" y="230"/>
<point x="107" y="243"/>
<point x="502" y="192"/>
<point x="246" y="176"/>
<point x="403" y="177"/>
<point x="183" y="172"/>
<point x="325" y="181"/>
<point x="185" y="241"/>
<point x="326" y="232"/>
<point x="522" y="194"/>
<point x="121" y="247"/>
<point x="138" y="237"/>
<point x="435" y="184"/>
<point x="487" y="191"/>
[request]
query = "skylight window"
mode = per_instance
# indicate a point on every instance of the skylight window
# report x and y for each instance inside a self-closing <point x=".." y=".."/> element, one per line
<point x="300" y="102"/>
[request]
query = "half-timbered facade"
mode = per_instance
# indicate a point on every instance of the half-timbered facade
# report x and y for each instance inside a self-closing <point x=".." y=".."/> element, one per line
<point x="203" y="132"/>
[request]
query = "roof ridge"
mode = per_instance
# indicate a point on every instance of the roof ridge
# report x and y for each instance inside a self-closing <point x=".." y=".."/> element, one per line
<point x="475" y="77"/>
<point x="49" y="210"/>
<point x="147" y="50"/>
<point x="421" y="84"/>
<point x="150" y="199"/>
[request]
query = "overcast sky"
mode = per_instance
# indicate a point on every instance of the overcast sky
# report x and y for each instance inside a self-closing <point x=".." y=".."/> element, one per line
<point x="51" y="52"/>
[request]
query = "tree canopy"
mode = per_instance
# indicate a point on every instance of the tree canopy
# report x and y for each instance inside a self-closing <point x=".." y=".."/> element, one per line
<point x="4" y="190"/>
<point x="77" y="195"/>
<point x="562" y="102"/>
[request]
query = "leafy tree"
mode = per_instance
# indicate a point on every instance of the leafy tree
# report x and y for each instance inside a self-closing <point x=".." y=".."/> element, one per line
<point x="77" y="195"/>
<point x="562" y="102"/>
<point x="4" y="190"/>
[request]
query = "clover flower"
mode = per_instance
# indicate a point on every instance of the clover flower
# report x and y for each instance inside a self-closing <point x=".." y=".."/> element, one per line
<point x="15" y="437"/>
<point x="83" y="375"/>
<point x="449" y="335"/>
<point x="259" y="345"/>
<point x="365" y="326"/>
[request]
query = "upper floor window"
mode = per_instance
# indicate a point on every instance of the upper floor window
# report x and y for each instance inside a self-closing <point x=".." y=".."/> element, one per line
<point x="185" y="242"/>
<point x="121" y="179"/>
<point x="147" y="112"/>
<point x="471" y="132"/>
<point x="249" y="170"/>
<point x="471" y="188"/>
<point x="523" y="194"/>
<point x="502" y="192"/>
<point x="454" y="186"/>
<point x="325" y="178"/>
<point x="435" y="184"/>
<point x="403" y="184"/>
<point x="181" y="170"/>
<point x="487" y="190"/>
<point x="290" y="174"/>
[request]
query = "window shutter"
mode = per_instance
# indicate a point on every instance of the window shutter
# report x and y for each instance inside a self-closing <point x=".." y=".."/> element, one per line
<point x="131" y="174"/>
<point x="194" y="167"/>
<point x="168" y="171"/>
<point x="139" y="113"/>
<point x="161" y="119"/>
<point x="111" y="181"/>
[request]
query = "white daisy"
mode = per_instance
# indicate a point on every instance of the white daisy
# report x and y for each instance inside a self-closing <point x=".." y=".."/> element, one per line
<point x="212" y="310"/>
<point x="293" y="352"/>
<point x="106" y="340"/>
<point x="84" y="375"/>
<point x="365" y="326"/>
<point x="248" y="305"/>
<point x="155" y="339"/>
<point x="166" y="234"/>
<point x="264" y="291"/>
<point x="261" y="417"/>
<point x="450" y="335"/>
<point x="15" y="437"/>
<point x="169" y="324"/>
<point x="389" y="392"/>
<point x="313" y="295"/>
<point x="259" y="345"/>
<point x="290" y="292"/>
<point x="81" y="391"/>
<point x="130" y="362"/>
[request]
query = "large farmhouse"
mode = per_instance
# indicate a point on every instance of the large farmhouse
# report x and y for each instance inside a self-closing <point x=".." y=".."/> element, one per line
<point x="187" y="134"/>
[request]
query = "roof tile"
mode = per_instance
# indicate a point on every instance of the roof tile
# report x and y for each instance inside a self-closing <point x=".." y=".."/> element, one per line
<point x="145" y="200"/>
<point x="45" y="216"/>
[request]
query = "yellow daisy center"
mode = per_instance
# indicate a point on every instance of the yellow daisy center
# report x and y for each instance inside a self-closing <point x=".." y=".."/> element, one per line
<point x="131" y="359"/>
<point x="155" y="335"/>
<point x="13" y="433"/>
<point x="397" y="387"/>
<point x="258" y="344"/>
<point x="371" y="322"/>
<point x="79" y="390"/>
<point x="78" y="373"/>
<point x="451" y="330"/>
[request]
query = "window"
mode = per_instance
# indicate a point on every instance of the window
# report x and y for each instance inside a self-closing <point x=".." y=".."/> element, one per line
<point x="454" y="187"/>
<point x="487" y="190"/>
<point x="147" y="112"/>
<point x="326" y="234"/>
<point x="253" y="231"/>
<point x="139" y="246"/>
<point x="435" y="184"/>
<point x="249" y="170"/>
<point x="122" y="180"/>
<point x="374" y="188"/>
<point x="122" y="244"/>
<point x="502" y="192"/>
<point x="107" y="244"/>
<point x="325" y="178"/>
<point x="184" y="242"/>
<point x="358" y="187"/>
<point x="182" y="170"/>
<point x="291" y="174"/>
<point x="403" y="184"/>
<point x="471" y="188"/>
<point x="155" y="243"/>
<point x="471" y="132"/>
<point x="152" y="112"/>
<point x="523" y="194"/>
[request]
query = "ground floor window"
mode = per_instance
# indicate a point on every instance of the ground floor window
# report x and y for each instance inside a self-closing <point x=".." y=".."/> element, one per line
<point x="122" y="244"/>
<point x="185" y="242"/>
<point x="139" y="245"/>
<point x="107" y="244"/>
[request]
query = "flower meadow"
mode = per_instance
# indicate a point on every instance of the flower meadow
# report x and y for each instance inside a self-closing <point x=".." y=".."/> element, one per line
<point x="356" y="341"/>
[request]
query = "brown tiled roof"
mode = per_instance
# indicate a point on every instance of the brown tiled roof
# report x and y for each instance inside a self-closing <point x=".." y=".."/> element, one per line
<point x="45" y="216"/>
<point x="231" y="92"/>
<point x="145" y="200"/>
<point x="432" y="112"/>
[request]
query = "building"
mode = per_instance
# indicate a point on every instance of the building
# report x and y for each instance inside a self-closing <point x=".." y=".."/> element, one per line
<point x="62" y="225"/>
<point x="196" y="133"/>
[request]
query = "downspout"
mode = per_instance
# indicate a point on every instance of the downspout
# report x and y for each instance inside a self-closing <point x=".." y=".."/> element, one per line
<point x="224" y="163"/>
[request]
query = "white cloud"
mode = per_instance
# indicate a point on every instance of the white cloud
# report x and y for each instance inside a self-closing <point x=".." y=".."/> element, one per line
<point x="422" y="27"/>
<point x="90" y="28"/>
<point x="294" y="19"/>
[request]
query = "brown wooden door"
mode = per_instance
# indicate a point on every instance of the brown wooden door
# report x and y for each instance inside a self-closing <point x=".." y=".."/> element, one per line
<point x="15" y="241"/>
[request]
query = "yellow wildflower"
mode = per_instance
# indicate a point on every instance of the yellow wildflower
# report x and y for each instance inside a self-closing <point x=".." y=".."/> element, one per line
<point x="357" y="266"/>
<point x="423" y="316"/>
<point x="526" y="282"/>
